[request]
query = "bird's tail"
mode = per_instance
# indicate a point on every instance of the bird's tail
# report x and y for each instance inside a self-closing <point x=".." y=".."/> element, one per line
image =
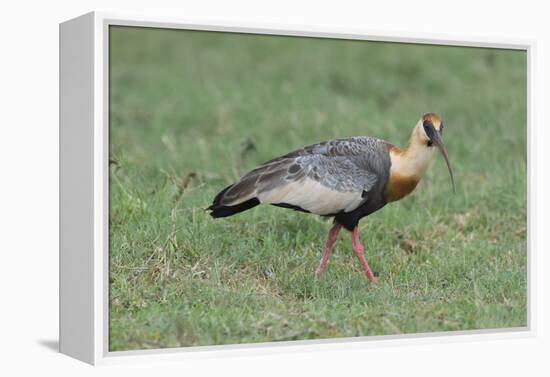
<point x="217" y="209"/>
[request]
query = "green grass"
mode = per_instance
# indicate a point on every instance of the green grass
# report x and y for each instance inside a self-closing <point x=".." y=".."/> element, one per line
<point x="192" y="111"/>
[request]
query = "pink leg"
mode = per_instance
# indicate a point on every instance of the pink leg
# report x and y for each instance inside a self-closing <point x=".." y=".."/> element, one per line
<point x="332" y="235"/>
<point x="360" y="253"/>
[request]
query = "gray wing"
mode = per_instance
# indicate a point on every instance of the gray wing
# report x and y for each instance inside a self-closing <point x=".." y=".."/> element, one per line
<point x="324" y="178"/>
<point x="339" y="173"/>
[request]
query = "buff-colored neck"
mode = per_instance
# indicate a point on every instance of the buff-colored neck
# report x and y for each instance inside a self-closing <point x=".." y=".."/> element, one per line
<point x="413" y="161"/>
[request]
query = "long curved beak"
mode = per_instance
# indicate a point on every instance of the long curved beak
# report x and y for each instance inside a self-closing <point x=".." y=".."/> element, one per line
<point x="436" y="140"/>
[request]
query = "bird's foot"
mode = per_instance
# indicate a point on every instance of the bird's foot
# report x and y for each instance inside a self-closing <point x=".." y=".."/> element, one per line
<point x="318" y="272"/>
<point x="332" y="235"/>
<point x="359" y="251"/>
<point x="368" y="272"/>
<point x="321" y="268"/>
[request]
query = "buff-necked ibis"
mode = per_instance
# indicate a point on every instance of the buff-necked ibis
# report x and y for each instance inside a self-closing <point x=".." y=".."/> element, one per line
<point x="347" y="179"/>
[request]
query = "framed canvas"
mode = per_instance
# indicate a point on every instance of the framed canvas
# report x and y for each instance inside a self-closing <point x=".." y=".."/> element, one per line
<point x="202" y="165"/>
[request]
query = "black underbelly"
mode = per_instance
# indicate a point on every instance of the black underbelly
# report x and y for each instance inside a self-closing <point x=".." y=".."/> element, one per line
<point x="350" y="219"/>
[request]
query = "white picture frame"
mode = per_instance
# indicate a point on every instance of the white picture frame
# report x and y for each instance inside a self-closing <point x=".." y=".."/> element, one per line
<point x="84" y="191"/>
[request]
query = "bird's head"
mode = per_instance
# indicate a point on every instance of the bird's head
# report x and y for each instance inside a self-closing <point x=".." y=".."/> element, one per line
<point x="429" y="131"/>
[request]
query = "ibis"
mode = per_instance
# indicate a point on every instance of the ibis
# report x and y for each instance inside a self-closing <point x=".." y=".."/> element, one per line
<point x="346" y="179"/>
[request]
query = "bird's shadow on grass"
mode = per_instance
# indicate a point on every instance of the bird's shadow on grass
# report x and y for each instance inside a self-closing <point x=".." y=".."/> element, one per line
<point x="52" y="345"/>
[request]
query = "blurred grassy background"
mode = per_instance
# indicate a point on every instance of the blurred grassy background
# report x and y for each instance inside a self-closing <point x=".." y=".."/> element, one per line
<point x="191" y="111"/>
